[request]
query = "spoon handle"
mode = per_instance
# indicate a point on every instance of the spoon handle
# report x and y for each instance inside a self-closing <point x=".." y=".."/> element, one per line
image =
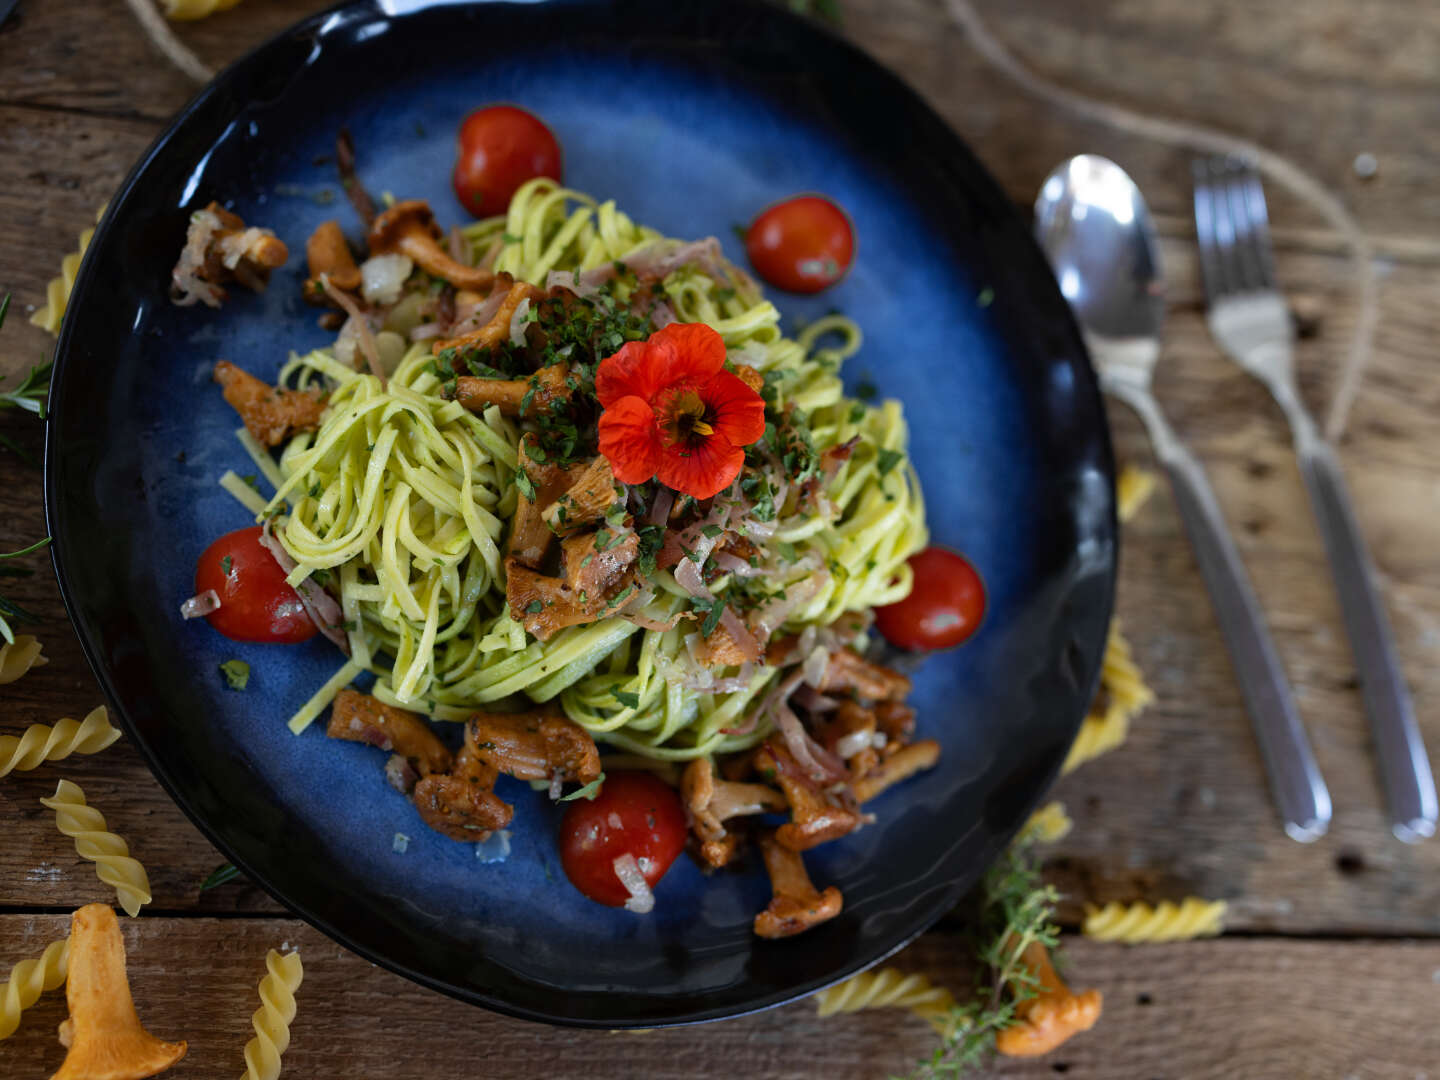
<point x="1299" y="789"/>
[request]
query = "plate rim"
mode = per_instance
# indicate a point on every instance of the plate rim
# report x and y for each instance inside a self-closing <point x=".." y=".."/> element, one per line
<point x="863" y="958"/>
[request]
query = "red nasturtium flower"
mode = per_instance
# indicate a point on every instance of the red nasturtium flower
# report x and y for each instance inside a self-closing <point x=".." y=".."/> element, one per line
<point x="672" y="410"/>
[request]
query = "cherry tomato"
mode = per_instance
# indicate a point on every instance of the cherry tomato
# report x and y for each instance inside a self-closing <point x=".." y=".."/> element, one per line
<point x="636" y="814"/>
<point x="500" y="148"/>
<point x="943" y="609"/>
<point x="256" y="603"/>
<point x="802" y="245"/>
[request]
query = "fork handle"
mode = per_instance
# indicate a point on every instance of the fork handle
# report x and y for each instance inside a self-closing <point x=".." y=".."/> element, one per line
<point x="1404" y="767"/>
<point x="1298" y="788"/>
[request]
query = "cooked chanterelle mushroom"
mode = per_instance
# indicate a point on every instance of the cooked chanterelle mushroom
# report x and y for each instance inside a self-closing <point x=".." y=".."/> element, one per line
<point x="815" y="816"/>
<point x="711" y="801"/>
<point x="1051" y="1015"/>
<point x="535" y="395"/>
<point x="850" y="671"/>
<point x="462" y="804"/>
<point x="104" y="1035"/>
<point x="797" y="905"/>
<point x="361" y="718"/>
<point x="327" y="255"/>
<point x="220" y="249"/>
<point x="498" y="328"/>
<point x="409" y="228"/>
<point x="534" y="746"/>
<point x="271" y="415"/>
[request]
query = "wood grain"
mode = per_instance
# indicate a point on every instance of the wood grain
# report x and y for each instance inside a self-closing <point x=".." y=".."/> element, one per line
<point x="1262" y="1010"/>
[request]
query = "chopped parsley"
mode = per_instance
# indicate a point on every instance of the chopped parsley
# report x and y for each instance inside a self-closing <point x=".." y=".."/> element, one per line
<point x="628" y="698"/>
<point x="237" y="673"/>
<point x="225" y="565"/>
<point x="713" y="609"/>
<point x="866" y="390"/>
<point x="534" y="607"/>
<point x="886" y="460"/>
<point x="525" y="484"/>
<point x="712" y="531"/>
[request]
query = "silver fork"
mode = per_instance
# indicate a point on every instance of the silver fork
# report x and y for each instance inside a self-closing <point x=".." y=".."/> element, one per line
<point x="1249" y="319"/>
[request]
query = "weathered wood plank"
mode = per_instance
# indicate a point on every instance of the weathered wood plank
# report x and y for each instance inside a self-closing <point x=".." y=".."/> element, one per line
<point x="1260" y="1009"/>
<point x="1320" y="82"/>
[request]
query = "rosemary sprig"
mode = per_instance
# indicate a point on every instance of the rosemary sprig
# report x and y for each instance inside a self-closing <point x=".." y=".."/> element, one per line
<point x="8" y="608"/>
<point x="30" y="395"/>
<point x="1011" y="910"/>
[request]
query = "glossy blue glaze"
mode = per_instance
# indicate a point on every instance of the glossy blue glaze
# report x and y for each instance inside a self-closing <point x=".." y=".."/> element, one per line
<point x="688" y="122"/>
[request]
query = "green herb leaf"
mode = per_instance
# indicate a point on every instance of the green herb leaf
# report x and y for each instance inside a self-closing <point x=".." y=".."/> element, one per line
<point x="525" y="484"/>
<point x="225" y="565"/>
<point x="886" y="460"/>
<point x="712" y="531"/>
<point x="237" y="673"/>
<point x="534" y="607"/>
<point x="627" y="698"/>
<point x="985" y="298"/>
<point x="589" y="791"/>
<point x="866" y="390"/>
<point x="219" y="876"/>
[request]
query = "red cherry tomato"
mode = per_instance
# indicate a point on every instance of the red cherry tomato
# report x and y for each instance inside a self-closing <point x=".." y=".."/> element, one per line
<point x="802" y="245"/>
<point x="500" y="148"/>
<point x="256" y="603"/>
<point x="943" y="609"/>
<point x="635" y="813"/>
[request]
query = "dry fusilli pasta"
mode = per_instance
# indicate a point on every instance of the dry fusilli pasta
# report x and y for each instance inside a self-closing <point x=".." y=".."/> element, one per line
<point x="1132" y="487"/>
<point x="1123" y="693"/>
<point x="888" y="988"/>
<point x="42" y="743"/>
<point x="57" y="292"/>
<point x="94" y="842"/>
<point x="1166" y="921"/>
<point x="272" y="1020"/>
<point x="1048" y="824"/>
<point x="28" y="980"/>
<point x="189" y="10"/>
<point x="19" y="656"/>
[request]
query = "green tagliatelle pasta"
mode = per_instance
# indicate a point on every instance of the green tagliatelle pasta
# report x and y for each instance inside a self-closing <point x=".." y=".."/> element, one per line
<point x="405" y="497"/>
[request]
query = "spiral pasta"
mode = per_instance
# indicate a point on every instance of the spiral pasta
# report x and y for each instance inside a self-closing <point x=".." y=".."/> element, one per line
<point x="42" y="743"/>
<point x="113" y="864"/>
<point x="19" y="656"/>
<point x="272" y="1020"/>
<point x="1048" y="824"/>
<point x="888" y="988"/>
<point x="1139" y="923"/>
<point x="1123" y="694"/>
<point x="190" y="10"/>
<point x="28" y="980"/>
<point x="1132" y="488"/>
<point x="403" y="495"/>
<point x="57" y="291"/>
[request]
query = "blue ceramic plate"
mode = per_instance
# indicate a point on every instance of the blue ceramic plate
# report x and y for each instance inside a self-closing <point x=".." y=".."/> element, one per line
<point x="693" y="117"/>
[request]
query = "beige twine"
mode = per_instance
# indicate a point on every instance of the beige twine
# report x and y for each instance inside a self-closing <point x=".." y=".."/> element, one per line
<point x="1173" y="133"/>
<point x="164" y="39"/>
<point x="1203" y="140"/>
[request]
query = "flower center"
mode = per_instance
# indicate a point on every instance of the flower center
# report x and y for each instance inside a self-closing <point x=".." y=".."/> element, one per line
<point x="683" y="418"/>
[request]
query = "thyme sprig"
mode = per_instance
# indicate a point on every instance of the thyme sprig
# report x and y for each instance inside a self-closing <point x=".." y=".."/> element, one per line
<point x="8" y="608"/>
<point x="31" y="394"/>
<point x="1011" y="910"/>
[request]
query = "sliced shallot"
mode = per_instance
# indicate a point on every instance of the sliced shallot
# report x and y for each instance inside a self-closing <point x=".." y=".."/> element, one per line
<point x="642" y="900"/>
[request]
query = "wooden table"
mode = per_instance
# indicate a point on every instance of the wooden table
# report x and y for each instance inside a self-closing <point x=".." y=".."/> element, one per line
<point x="1331" y="963"/>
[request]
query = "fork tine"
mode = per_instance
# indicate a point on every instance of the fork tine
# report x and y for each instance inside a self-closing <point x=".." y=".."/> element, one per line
<point x="1249" y="234"/>
<point x="1252" y="194"/>
<point x="1232" y="268"/>
<point x="1210" y="263"/>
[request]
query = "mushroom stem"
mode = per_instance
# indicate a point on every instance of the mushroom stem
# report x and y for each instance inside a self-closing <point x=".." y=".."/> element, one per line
<point x="107" y="1041"/>
<point x="797" y="905"/>
<point x="409" y="228"/>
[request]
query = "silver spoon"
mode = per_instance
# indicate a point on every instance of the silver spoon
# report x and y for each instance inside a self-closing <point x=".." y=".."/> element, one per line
<point x="1096" y="230"/>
